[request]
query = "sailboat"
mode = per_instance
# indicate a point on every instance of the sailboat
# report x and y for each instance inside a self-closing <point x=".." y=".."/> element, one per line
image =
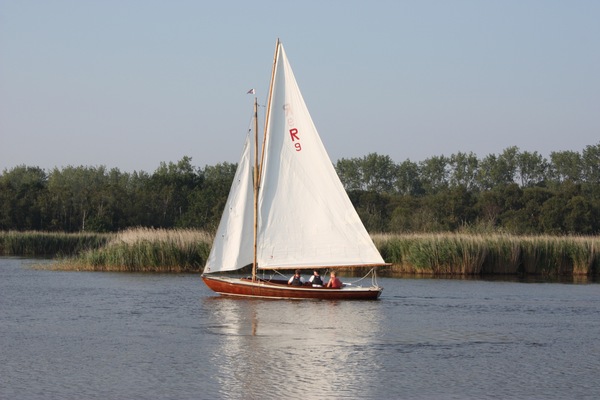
<point x="289" y="211"/>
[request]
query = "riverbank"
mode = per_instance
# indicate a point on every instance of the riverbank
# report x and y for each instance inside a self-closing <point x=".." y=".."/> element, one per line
<point x="186" y="250"/>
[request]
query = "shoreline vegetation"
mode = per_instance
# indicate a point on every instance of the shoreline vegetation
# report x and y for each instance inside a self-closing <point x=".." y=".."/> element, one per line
<point x="437" y="254"/>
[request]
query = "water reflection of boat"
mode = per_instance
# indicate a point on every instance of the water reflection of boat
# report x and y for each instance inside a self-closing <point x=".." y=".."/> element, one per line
<point x="290" y="211"/>
<point x="333" y="340"/>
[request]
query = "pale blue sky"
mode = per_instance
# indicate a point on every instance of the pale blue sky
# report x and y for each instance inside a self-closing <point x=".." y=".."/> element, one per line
<point x="129" y="84"/>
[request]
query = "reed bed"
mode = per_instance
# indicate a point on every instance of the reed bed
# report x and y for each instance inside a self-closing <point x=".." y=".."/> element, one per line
<point x="186" y="250"/>
<point x="146" y="250"/>
<point x="49" y="244"/>
<point x="478" y="254"/>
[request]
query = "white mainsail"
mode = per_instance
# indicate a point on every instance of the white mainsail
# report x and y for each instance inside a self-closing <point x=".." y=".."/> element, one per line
<point x="232" y="248"/>
<point x="305" y="216"/>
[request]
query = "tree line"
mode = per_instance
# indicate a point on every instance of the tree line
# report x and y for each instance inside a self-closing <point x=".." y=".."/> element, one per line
<point x="515" y="192"/>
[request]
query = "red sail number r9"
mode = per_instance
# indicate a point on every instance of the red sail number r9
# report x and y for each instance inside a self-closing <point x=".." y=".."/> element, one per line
<point x="294" y="136"/>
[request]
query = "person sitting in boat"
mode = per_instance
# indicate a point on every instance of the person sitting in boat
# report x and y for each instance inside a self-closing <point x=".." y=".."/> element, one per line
<point x="315" y="279"/>
<point x="334" y="281"/>
<point x="297" y="279"/>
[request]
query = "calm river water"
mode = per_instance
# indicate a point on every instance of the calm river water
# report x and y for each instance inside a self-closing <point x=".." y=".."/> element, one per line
<point x="83" y="335"/>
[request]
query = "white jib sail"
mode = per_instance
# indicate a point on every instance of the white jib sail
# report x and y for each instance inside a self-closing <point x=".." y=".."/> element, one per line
<point x="305" y="216"/>
<point x="232" y="248"/>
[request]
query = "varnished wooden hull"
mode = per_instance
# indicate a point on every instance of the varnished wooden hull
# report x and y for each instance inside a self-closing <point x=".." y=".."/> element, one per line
<point x="280" y="290"/>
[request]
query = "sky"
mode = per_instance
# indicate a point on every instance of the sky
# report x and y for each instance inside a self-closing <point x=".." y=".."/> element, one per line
<point x="129" y="84"/>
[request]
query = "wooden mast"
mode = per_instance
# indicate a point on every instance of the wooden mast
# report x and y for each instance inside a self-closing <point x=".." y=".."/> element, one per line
<point x="257" y="166"/>
<point x="255" y="186"/>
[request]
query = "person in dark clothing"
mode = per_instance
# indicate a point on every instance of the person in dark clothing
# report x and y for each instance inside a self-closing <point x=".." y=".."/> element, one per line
<point x="296" y="280"/>
<point x="315" y="279"/>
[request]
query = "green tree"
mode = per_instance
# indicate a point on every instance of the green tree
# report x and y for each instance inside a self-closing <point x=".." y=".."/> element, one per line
<point x="434" y="174"/>
<point x="112" y="202"/>
<point x="579" y="216"/>
<point x="349" y="172"/>
<point x="171" y="185"/>
<point x="463" y="170"/>
<point x="552" y="215"/>
<point x="499" y="205"/>
<point x="77" y="194"/>
<point x="22" y="190"/>
<point x="498" y="170"/>
<point x="532" y="168"/>
<point x="378" y="173"/>
<point x="373" y="172"/>
<point x="565" y="165"/>
<point x="208" y="200"/>
<point x="139" y="209"/>
<point x="459" y="206"/>
<point x="408" y="180"/>
<point x="591" y="164"/>
<point x="373" y="209"/>
<point x="489" y="207"/>
<point x="404" y="217"/>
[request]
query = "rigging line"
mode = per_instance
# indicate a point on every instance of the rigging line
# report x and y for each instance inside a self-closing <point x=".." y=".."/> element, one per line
<point x="373" y="278"/>
<point x="277" y="271"/>
<point x="251" y="123"/>
<point x="264" y="274"/>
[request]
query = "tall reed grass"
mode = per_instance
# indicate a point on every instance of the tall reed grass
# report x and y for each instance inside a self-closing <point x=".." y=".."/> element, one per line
<point x="185" y="250"/>
<point x="49" y="244"/>
<point x="474" y="254"/>
<point x="147" y="250"/>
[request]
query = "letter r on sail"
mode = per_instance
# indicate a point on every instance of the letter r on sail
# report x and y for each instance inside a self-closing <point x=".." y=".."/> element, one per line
<point x="294" y="134"/>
